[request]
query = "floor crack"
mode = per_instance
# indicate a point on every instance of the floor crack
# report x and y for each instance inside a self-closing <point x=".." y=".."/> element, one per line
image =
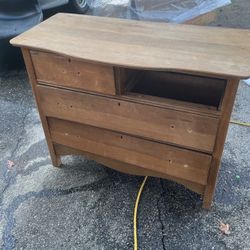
<point x="9" y="178"/>
<point x="159" y="215"/>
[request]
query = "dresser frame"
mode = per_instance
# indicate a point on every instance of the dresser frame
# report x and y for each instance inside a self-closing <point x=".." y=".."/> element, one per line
<point x="156" y="101"/>
<point x="207" y="190"/>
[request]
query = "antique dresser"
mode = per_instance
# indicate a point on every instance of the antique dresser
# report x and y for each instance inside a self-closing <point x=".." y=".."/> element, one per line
<point x="143" y="98"/>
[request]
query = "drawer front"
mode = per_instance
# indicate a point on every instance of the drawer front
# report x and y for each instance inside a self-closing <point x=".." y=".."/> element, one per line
<point x="170" y="160"/>
<point x="165" y="125"/>
<point x="64" y="71"/>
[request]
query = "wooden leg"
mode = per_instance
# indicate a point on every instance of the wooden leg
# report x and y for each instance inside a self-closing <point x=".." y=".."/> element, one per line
<point x="227" y="106"/>
<point x="55" y="157"/>
<point x="210" y="188"/>
<point x="207" y="204"/>
<point x="56" y="161"/>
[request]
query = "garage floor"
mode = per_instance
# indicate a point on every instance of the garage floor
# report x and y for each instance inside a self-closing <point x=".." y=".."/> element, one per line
<point x="85" y="205"/>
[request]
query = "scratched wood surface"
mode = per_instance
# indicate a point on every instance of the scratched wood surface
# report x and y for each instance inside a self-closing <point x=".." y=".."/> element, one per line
<point x="127" y="168"/>
<point x="180" y="163"/>
<point x="148" y="45"/>
<point x="165" y="125"/>
<point x="72" y="73"/>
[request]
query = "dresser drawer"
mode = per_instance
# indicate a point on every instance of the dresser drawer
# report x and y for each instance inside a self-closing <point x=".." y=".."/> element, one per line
<point x="68" y="72"/>
<point x="155" y="123"/>
<point x="170" y="160"/>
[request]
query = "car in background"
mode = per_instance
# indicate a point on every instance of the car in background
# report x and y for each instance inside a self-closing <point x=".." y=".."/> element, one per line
<point x="17" y="16"/>
<point x="77" y="6"/>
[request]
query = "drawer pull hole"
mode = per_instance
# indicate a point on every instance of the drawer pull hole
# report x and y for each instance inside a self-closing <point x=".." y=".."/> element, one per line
<point x="71" y="106"/>
<point x="121" y="137"/>
<point x="119" y="104"/>
<point x="172" y="126"/>
<point x="69" y="60"/>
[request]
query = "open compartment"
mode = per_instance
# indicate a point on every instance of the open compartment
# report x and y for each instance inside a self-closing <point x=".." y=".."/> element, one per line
<point x="163" y="87"/>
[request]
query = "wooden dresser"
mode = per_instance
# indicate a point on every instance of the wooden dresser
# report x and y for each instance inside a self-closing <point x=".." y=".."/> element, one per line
<point x="143" y="98"/>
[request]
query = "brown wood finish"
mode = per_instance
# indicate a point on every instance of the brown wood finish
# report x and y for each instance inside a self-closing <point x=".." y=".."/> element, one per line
<point x="127" y="168"/>
<point x="156" y="101"/>
<point x="29" y="66"/>
<point x="73" y="73"/>
<point x="227" y="106"/>
<point x="165" y="125"/>
<point x="168" y="103"/>
<point x="161" y="158"/>
<point x="143" y="45"/>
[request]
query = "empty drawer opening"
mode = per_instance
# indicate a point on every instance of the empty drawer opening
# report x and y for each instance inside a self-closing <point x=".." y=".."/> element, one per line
<point x="181" y="87"/>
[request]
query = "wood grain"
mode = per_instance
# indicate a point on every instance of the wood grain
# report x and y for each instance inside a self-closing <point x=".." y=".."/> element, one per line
<point x="73" y="73"/>
<point x="180" y="163"/>
<point x="227" y="106"/>
<point x="165" y="125"/>
<point x="127" y="168"/>
<point x="147" y="45"/>
<point x="31" y="73"/>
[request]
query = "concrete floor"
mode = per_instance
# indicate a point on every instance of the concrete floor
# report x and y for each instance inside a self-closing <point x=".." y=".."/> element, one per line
<point x="85" y="205"/>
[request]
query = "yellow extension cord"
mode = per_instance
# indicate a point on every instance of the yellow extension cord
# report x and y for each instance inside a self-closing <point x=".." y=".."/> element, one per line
<point x="143" y="184"/>
<point x="241" y="123"/>
<point x="135" y="212"/>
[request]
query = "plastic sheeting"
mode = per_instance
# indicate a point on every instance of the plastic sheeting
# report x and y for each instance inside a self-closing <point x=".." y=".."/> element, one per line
<point x="177" y="11"/>
<point x="111" y="8"/>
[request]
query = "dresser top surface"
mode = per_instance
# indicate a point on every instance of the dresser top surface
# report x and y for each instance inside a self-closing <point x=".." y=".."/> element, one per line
<point x="146" y="45"/>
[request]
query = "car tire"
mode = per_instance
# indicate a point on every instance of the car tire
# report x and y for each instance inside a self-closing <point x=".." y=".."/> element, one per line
<point x="78" y="6"/>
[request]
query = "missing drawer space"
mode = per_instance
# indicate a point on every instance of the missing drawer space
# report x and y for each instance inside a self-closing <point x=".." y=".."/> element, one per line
<point x="160" y="86"/>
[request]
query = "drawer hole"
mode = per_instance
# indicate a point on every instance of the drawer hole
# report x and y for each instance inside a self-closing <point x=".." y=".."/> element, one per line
<point x="119" y="104"/>
<point x="69" y="60"/>
<point x="172" y="86"/>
